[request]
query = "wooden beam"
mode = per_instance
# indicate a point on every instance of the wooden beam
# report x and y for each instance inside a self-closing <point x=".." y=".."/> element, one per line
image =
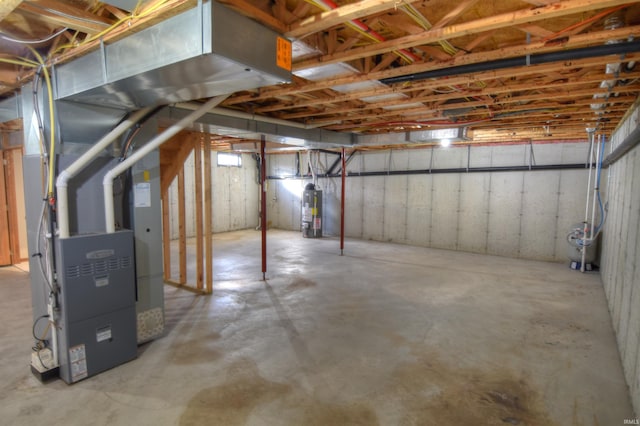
<point x="14" y="236"/>
<point x="5" y="239"/>
<point x="208" y="217"/>
<point x="253" y="12"/>
<point x="197" y="149"/>
<point x="471" y="58"/>
<point x="452" y="81"/>
<point x="535" y="30"/>
<point x="182" y="228"/>
<point x="166" y="236"/>
<point x="455" y="13"/>
<point x="331" y="18"/>
<point x="65" y="15"/>
<point x="169" y="173"/>
<point x="115" y="11"/>
<point x="169" y="8"/>
<point x="8" y="6"/>
<point x="431" y="97"/>
<point x="495" y="22"/>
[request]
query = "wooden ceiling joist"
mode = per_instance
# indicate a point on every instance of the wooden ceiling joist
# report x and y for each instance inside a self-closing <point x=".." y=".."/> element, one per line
<point x="8" y="6"/>
<point x="600" y="37"/>
<point x="326" y="20"/>
<point x="426" y="40"/>
<point x="496" y="22"/>
<point x="65" y="15"/>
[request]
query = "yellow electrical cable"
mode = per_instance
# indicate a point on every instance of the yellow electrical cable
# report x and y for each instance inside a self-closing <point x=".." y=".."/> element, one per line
<point x="326" y="8"/>
<point x="47" y="77"/>
<point x="424" y="23"/>
<point x="113" y="26"/>
<point x="52" y="138"/>
<point x="18" y="62"/>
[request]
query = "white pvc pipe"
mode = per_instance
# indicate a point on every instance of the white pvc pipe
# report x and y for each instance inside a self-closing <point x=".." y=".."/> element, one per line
<point x="595" y="191"/>
<point x="107" y="181"/>
<point x="54" y="333"/>
<point x="81" y="163"/>
<point x="586" y="210"/>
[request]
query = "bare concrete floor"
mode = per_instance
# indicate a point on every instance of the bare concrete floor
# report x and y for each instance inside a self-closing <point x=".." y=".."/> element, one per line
<point x="387" y="334"/>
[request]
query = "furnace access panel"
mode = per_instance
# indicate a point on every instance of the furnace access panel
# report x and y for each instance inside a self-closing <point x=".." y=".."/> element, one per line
<point x="96" y="274"/>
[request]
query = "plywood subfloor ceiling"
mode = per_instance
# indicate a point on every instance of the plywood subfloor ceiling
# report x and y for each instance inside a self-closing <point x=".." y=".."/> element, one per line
<point x="383" y="66"/>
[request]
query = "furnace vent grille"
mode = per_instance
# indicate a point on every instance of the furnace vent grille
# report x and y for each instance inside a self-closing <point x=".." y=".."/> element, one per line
<point x="100" y="267"/>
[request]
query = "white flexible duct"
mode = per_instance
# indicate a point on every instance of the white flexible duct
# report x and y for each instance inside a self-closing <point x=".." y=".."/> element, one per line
<point x="107" y="181"/>
<point x="81" y="163"/>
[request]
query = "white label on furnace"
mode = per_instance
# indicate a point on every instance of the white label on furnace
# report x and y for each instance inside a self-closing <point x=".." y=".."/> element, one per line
<point x="101" y="281"/>
<point x="142" y="194"/>
<point x="78" y="363"/>
<point x="103" y="334"/>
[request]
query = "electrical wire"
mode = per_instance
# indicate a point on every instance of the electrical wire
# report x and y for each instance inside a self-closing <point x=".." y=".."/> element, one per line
<point x="46" y="330"/>
<point x="22" y="41"/>
<point x="584" y="22"/>
<point x="134" y="15"/>
<point x="52" y="129"/>
<point x="364" y="29"/>
<point x="63" y="14"/>
<point x="420" y="19"/>
<point x="129" y="144"/>
<point x="36" y="108"/>
<point x="598" y="196"/>
<point x="41" y="343"/>
<point x="39" y="254"/>
<point x="45" y="269"/>
<point x="21" y="61"/>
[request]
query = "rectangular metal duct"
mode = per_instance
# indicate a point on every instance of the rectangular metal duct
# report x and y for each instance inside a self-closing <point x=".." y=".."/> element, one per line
<point x="454" y="134"/>
<point x="10" y="109"/>
<point x="128" y="5"/>
<point x="203" y="52"/>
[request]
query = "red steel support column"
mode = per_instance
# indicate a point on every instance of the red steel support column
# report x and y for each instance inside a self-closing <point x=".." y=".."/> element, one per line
<point x="342" y="196"/>
<point x="263" y="206"/>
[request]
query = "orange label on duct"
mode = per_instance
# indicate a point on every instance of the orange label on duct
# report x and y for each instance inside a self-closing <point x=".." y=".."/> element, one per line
<point x="283" y="53"/>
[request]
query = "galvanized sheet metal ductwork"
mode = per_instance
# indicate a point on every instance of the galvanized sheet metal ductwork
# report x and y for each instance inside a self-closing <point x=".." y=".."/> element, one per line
<point x="247" y="128"/>
<point x="203" y="52"/>
<point x="10" y="109"/>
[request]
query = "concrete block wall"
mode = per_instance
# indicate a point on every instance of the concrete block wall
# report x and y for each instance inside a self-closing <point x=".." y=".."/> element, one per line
<point x="234" y="192"/>
<point x="524" y="214"/>
<point x="621" y="256"/>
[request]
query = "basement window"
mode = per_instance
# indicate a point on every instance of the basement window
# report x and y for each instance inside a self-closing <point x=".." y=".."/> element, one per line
<point x="229" y="159"/>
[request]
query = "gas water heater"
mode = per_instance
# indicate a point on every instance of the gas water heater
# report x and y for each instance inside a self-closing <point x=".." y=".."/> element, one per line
<point x="311" y="212"/>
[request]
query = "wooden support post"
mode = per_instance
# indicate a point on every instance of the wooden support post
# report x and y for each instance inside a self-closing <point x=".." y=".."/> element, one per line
<point x="263" y="205"/>
<point x="208" y="231"/>
<point x="5" y="244"/>
<point x="166" y="235"/>
<point x="197" y="146"/>
<point x="12" y="202"/>
<point x="182" y="228"/>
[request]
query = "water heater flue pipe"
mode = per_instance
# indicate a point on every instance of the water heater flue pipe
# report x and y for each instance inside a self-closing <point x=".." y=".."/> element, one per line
<point x="107" y="181"/>
<point x="78" y="165"/>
